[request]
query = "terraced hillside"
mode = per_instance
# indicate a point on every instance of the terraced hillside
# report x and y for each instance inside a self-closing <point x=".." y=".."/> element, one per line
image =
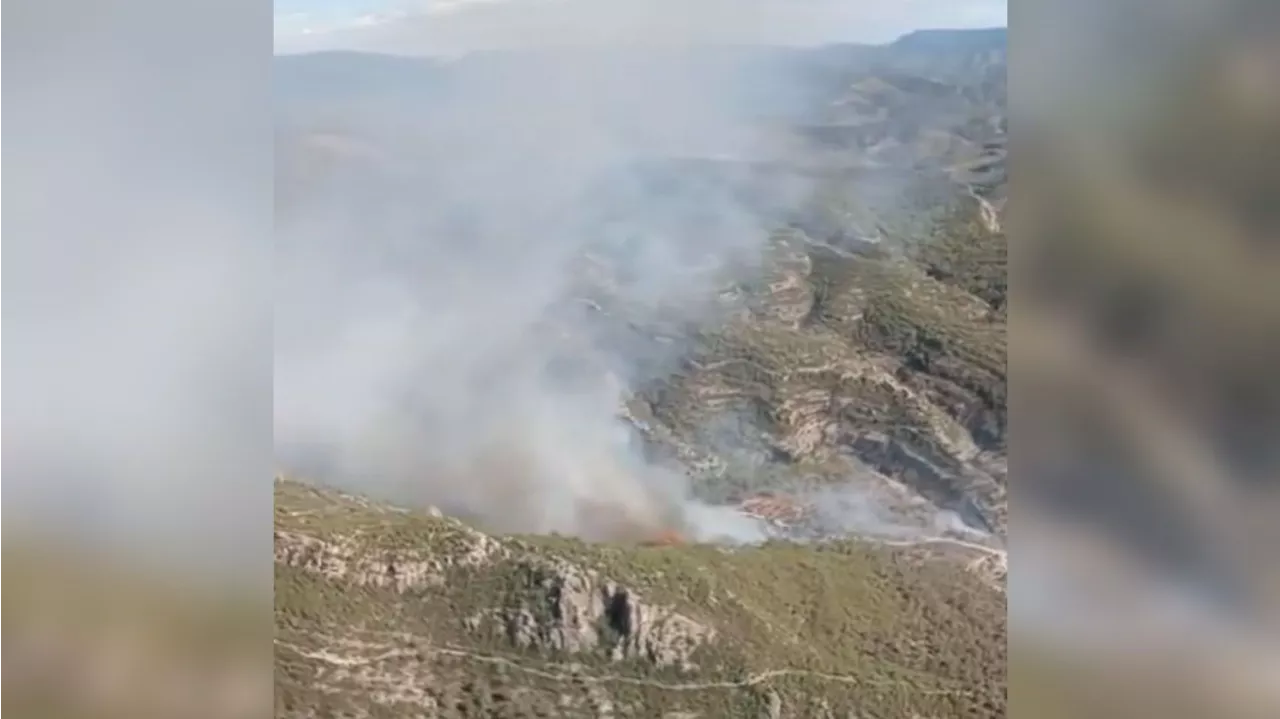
<point x="847" y="365"/>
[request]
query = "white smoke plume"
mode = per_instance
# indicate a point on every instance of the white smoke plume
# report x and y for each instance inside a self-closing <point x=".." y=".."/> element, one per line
<point x="436" y="337"/>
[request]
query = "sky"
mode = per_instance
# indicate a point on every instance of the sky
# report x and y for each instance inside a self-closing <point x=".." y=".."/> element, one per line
<point x="446" y="27"/>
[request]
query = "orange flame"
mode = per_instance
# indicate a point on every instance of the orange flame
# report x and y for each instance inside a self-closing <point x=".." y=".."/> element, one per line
<point x="666" y="538"/>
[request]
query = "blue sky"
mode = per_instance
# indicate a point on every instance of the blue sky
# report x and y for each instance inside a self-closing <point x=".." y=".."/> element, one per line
<point x="430" y="26"/>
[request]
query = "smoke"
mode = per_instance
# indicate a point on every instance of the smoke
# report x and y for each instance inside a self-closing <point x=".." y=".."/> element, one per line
<point x="467" y="295"/>
<point x="851" y="510"/>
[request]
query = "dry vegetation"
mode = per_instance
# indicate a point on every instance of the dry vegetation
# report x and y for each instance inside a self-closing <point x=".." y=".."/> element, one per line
<point x="381" y="612"/>
<point x="854" y="356"/>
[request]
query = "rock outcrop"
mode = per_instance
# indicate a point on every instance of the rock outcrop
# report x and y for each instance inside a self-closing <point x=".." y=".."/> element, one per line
<point x="562" y="608"/>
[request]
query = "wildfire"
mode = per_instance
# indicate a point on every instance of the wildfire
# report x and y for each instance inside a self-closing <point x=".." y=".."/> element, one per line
<point x="666" y="538"/>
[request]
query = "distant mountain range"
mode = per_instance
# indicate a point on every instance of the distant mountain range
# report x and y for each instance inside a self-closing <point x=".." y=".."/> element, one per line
<point x="932" y="100"/>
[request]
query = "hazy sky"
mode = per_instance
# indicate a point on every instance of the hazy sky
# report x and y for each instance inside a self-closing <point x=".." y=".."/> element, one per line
<point x="452" y="26"/>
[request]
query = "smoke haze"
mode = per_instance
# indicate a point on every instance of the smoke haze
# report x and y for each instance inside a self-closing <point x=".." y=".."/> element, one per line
<point x="437" y="28"/>
<point x="449" y="298"/>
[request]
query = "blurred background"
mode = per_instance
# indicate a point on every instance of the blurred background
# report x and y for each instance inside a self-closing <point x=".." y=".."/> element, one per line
<point x="1145" y="332"/>
<point x="137" y="314"/>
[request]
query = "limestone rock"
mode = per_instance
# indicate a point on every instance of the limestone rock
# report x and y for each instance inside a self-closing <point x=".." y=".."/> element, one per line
<point x="569" y="609"/>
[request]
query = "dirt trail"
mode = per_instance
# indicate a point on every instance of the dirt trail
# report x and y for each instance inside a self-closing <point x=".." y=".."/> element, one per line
<point x="748" y="681"/>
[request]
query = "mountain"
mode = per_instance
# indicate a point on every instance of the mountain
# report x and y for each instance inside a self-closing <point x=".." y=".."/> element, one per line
<point x="993" y="40"/>
<point x="792" y="261"/>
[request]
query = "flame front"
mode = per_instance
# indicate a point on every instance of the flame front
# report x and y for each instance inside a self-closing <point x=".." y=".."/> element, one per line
<point x="666" y="538"/>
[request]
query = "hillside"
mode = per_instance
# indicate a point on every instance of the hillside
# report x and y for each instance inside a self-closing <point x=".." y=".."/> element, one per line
<point x="791" y="296"/>
<point x="383" y="612"/>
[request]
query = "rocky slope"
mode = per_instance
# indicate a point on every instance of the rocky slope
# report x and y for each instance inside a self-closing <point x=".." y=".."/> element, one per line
<point x="862" y="372"/>
<point x="388" y="612"/>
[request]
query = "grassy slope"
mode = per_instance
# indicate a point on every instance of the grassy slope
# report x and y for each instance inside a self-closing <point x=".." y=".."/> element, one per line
<point x="882" y="631"/>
